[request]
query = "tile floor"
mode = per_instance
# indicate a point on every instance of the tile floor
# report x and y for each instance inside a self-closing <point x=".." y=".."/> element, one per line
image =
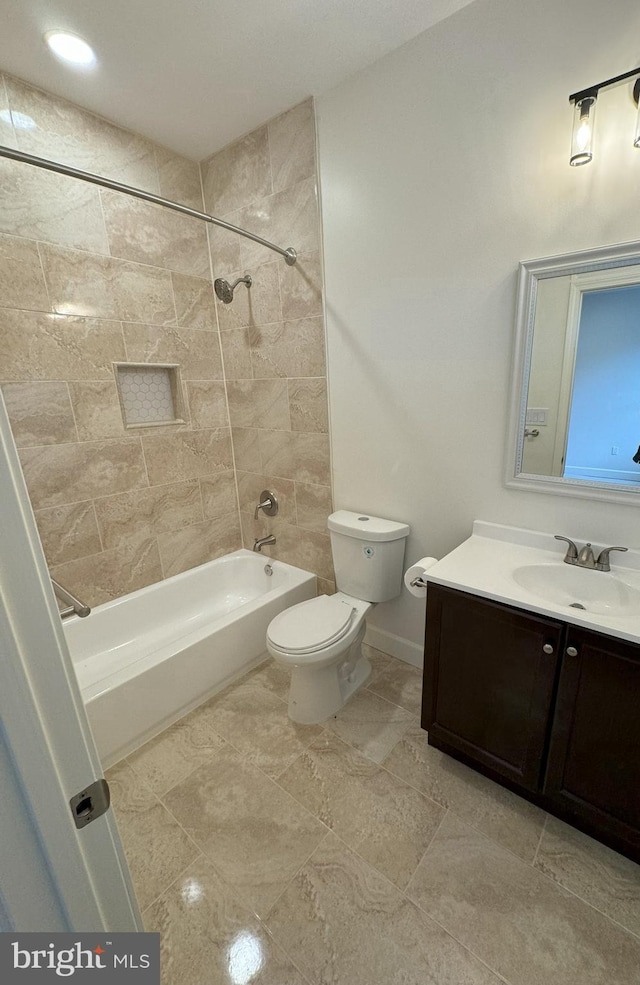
<point x="354" y="854"/>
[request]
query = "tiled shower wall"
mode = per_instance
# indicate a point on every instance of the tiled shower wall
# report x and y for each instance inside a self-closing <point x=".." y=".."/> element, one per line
<point x="89" y="277"/>
<point x="272" y="335"/>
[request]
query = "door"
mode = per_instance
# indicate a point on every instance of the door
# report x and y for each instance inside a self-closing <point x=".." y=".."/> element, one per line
<point x="53" y="876"/>
<point x="594" y="758"/>
<point x="489" y="677"/>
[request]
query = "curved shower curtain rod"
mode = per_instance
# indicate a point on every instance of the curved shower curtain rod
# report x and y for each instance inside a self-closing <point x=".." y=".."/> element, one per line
<point x="289" y="254"/>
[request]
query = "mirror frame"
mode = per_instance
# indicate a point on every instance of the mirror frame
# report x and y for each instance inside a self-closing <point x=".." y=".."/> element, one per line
<point x="531" y="272"/>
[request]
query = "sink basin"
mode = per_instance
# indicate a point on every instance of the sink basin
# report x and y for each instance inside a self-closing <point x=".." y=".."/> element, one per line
<point x="599" y="592"/>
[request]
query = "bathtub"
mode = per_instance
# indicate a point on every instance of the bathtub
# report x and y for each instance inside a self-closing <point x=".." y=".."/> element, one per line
<point x="145" y="660"/>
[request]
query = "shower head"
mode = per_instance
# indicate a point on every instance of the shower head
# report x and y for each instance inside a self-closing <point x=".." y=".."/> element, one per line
<point x="225" y="290"/>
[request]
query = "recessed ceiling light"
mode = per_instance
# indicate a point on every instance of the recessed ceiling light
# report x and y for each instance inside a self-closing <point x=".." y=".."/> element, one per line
<point x="70" y="48"/>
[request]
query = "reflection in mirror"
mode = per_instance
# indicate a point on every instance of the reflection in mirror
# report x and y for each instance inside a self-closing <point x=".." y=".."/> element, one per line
<point x="576" y="399"/>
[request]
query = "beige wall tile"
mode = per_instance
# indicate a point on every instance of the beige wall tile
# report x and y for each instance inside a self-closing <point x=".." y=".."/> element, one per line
<point x="256" y="305"/>
<point x="97" y="410"/>
<point x="84" y="284"/>
<point x="199" y="543"/>
<point x="150" y="234"/>
<point x="246" y="449"/>
<point x="7" y="134"/>
<point x="179" y="179"/>
<point x="292" y="145"/>
<point x="194" y="302"/>
<point x="224" y="248"/>
<point x="219" y="494"/>
<point x="288" y="218"/>
<point x="313" y="553"/>
<point x="147" y="513"/>
<point x="40" y="413"/>
<point x="207" y="404"/>
<point x="313" y="506"/>
<point x="295" y="455"/>
<point x="49" y="347"/>
<point x="21" y="278"/>
<point x="238" y="175"/>
<point x="109" y="575"/>
<point x="59" y="474"/>
<point x="236" y="352"/>
<point x="308" y="405"/>
<point x="186" y="455"/>
<point x="250" y="485"/>
<point x="50" y="207"/>
<point x="301" y="287"/>
<point x="293" y="348"/>
<point x="198" y="353"/>
<point x="75" y="136"/>
<point x="68" y="532"/>
<point x="259" y="403"/>
<point x="326" y="587"/>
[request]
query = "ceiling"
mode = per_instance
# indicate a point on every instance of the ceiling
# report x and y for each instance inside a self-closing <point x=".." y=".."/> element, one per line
<point x="196" y="74"/>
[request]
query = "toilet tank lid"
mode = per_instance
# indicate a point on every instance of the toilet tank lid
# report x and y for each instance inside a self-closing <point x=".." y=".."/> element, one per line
<point x="366" y="527"/>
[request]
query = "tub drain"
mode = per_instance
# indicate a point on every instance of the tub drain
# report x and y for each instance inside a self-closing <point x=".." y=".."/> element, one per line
<point x="577" y="605"/>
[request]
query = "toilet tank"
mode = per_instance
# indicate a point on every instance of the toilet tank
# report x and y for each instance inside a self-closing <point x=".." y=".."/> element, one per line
<point x="368" y="555"/>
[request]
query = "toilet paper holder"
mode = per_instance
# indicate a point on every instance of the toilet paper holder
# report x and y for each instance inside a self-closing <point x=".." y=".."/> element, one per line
<point x="418" y="582"/>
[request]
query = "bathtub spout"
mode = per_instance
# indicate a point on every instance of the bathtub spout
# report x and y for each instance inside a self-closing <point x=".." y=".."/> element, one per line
<point x="262" y="542"/>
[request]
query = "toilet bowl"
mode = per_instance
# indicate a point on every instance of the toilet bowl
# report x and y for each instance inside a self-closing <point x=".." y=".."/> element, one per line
<point x="320" y="640"/>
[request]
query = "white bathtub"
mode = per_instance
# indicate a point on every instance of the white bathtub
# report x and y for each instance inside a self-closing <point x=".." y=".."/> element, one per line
<point x="145" y="660"/>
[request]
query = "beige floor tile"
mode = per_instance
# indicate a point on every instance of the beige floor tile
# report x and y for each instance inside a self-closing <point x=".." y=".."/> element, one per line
<point x="607" y="880"/>
<point x="157" y="848"/>
<point x="171" y="756"/>
<point x="206" y="936"/>
<point x="273" y="677"/>
<point x="398" y="682"/>
<point x="256" y="722"/>
<point x="496" y="811"/>
<point x="517" y="921"/>
<point x="255" y="834"/>
<point x="347" y="925"/>
<point x="384" y="819"/>
<point x="371" y="724"/>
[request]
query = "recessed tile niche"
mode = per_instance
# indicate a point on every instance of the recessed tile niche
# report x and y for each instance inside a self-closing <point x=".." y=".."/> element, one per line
<point x="150" y="394"/>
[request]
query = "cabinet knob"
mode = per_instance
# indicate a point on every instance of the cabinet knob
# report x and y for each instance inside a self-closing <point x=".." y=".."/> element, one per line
<point x="547" y="648"/>
<point x="571" y="651"/>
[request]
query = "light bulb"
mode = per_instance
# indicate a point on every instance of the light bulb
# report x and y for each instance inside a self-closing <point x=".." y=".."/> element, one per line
<point x="582" y="136"/>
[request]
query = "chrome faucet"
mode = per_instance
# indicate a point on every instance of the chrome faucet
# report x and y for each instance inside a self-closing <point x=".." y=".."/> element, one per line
<point x="585" y="558"/>
<point x="262" y="542"/>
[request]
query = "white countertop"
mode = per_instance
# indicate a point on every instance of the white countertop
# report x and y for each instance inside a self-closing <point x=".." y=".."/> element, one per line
<point x="484" y="565"/>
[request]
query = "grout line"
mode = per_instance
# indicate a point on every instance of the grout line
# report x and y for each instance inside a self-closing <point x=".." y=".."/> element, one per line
<point x="535" y="854"/>
<point x="171" y="884"/>
<point x="44" y="276"/>
<point x="328" y="832"/>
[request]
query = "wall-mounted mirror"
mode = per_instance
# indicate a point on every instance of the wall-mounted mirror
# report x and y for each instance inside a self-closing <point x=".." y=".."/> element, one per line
<point x="575" y="407"/>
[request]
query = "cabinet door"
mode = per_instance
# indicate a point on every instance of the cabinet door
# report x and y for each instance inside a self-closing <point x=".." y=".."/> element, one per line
<point x="594" y="758"/>
<point x="489" y="679"/>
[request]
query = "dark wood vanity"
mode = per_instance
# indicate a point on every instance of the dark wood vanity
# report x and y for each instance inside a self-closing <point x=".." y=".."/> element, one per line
<point x="550" y="710"/>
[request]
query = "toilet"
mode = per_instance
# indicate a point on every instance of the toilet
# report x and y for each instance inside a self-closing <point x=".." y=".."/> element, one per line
<point x="320" y="640"/>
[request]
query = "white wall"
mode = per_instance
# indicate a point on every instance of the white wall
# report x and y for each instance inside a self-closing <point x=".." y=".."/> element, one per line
<point x="442" y="166"/>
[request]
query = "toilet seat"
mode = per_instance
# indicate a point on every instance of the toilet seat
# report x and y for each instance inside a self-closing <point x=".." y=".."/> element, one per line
<point x="312" y="625"/>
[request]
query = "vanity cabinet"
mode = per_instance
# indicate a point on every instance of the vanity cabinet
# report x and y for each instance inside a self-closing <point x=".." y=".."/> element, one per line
<point x="550" y="710"/>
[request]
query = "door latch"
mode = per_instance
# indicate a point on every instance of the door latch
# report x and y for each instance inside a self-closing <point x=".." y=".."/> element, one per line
<point x="90" y="803"/>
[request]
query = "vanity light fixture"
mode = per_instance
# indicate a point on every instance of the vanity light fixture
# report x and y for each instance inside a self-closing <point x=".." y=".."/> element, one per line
<point x="584" y="103"/>
<point x="70" y="48"/>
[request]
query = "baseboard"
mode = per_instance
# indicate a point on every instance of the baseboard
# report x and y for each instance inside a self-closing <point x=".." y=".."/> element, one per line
<point x="397" y="646"/>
